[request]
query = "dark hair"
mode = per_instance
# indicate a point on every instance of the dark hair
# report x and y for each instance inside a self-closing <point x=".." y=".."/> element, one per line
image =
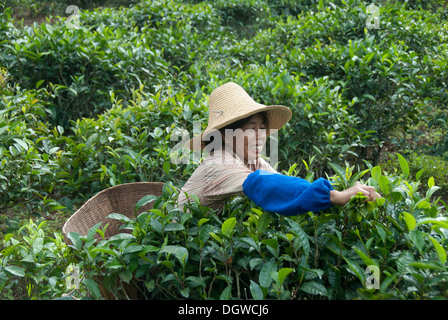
<point x="239" y="124"/>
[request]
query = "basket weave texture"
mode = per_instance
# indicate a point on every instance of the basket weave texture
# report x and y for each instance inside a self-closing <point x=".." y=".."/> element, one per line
<point x="118" y="199"/>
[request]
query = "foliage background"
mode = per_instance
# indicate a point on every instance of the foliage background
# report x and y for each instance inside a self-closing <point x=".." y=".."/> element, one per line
<point x="87" y="108"/>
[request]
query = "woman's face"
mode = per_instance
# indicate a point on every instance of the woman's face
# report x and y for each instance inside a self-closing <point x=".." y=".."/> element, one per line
<point x="249" y="140"/>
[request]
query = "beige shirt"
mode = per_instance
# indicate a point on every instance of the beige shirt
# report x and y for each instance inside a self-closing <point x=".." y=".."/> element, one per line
<point x="219" y="177"/>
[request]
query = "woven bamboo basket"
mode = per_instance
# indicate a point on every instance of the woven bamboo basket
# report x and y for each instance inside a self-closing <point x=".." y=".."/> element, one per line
<point x="118" y="199"/>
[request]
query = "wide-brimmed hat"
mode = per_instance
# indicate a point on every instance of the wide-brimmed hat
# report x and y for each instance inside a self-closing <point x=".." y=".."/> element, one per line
<point x="230" y="103"/>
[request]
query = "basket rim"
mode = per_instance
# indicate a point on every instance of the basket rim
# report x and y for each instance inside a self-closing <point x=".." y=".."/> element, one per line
<point x="92" y="199"/>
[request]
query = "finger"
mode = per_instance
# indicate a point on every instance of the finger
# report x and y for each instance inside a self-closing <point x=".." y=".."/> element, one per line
<point x="374" y="196"/>
<point x="369" y="191"/>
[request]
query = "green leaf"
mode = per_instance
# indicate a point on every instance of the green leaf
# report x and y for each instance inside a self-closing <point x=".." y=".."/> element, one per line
<point x="185" y="292"/>
<point x="119" y="217"/>
<point x="39" y="83"/>
<point x="439" y="249"/>
<point x="417" y="239"/>
<point x="431" y="182"/>
<point x="228" y="226"/>
<point x="255" y="262"/>
<point x="38" y="245"/>
<point x="144" y="201"/>
<point x="303" y="237"/>
<point x="256" y="291"/>
<point x="226" y="294"/>
<point x="174" y="227"/>
<point x="394" y="197"/>
<point x="133" y="248"/>
<point x="104" y="250"/>
<point x="265" y="277"/>
<point x="121" y="236"/>
<point x="257" y="211"/>
<point x="419" y="174"/>
<point x="90" y="141"/>
<point x="384" y="184"/>
<point x="364" y="257"/>
<point x="357" y="176"/>
<point x="283" y="273"/>
<point x="339" y="171"/>
<point x="216" y="237"/>
<point x="422" y="204"/>
<point x="263" y="221"/>
<point x="441" y="221"/>
<point x="403" y="164"/>
<point x="376" y="173"/>
<point x="22" y="143"/>
<point x="93" y="230"/>
<point x="314" y="288"/>
<point x="195" y="282"/>
<point x="16" y="271"/>
<point x="157" y="212"/>
<point x="75" y="238"/>
<point x="369" y="96"/>
<point x="115" y="265"/>
<point x="273" y="243"/>
<point x="93" y="287"/>
<point x="381" y="232"/>
<point x="202" y="221"/>
<point x="410" y="220"/>
<point x="357" y="270"/>
<point x="28" y="258"/>
<point x="386" y="282"/>
<point x="125" y="275"/>
<point x="321" y="5"/>
<point x="166" y="167"/>
<point x="181" y="253"/>
<point x="425" y="265"/>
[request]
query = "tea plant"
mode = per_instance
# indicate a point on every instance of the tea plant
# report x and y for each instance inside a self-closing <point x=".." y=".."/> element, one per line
<point x="27" y="161"/>
<point x="89" y="108"/>
<point x="34" y="264"/>
<point x="248" y="253"/>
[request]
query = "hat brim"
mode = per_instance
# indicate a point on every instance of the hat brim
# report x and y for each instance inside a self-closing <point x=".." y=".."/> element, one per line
<point x="277" y="115"/>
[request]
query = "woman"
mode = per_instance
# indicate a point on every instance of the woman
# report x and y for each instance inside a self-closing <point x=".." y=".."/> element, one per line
<point x="236" y="133"/>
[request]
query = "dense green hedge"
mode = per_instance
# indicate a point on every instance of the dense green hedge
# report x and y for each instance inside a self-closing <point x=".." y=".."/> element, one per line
<point x="393" y="248"/>
<point x="84" y="109"/>
<point x="335" y="74"/>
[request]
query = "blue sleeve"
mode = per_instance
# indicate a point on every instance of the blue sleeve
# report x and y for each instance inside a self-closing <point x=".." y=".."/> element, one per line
<point x="287" y="195"/>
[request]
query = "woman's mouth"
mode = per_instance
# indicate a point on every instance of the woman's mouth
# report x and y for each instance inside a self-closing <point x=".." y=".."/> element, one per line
<point x="257" y="148"/>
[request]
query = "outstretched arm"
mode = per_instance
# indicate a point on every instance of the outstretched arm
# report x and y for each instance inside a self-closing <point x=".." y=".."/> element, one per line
<point x="289" y="196"/>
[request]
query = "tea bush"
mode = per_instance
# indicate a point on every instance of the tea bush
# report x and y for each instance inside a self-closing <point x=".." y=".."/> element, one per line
<point x="389" y="74"/>
<point x="384" y="70"/>
<point x="424" y="167"/>
<point x="252" y="254"/>
<point x="80" y="66"/>
<point x="34" y="264"/>
<point x="113" y="101"/>
<point x="28" y="162"/>
<point x="248" y="253"/>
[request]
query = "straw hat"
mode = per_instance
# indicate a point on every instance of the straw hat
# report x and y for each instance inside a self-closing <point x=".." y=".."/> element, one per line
<point x="230" y="103"/>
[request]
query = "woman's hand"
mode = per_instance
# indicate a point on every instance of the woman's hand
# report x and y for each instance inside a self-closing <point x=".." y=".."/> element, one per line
<point x="340" y="198"/>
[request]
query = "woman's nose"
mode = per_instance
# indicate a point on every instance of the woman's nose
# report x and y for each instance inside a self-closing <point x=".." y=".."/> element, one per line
<point x="261" y="133"/>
